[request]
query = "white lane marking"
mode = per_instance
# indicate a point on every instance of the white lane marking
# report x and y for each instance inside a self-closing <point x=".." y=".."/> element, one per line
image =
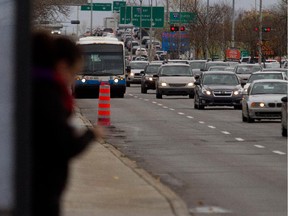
<point x="239" y="139"/>
<point x="209" y="210"/>
<point x="225" y="132"/>
<point x="154" y="102"/>
<point x="201" y="122"/>
<point x="259" y="146"/>
<point x="279" y="152"/>
<point x="159" y="104"/>
<point x="180" y="113"/>
<point x="165" y="107"/>
<point x="190" y="117"/>
<point x="140" y="98"/>
<point x="171" y="109"/>
<point x="130" y="94"/>
<point x="212" y="127"/>
<point x="146" y="99"/>
<point x="135" y="96"/>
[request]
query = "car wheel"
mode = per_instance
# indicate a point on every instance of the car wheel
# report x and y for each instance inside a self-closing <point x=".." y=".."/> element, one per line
<point x="128" y="84"/>
<point x="238" y="107"/>
<point x="143" y="90"/>
<point x="158" y="95"/>
<point x="249" y="119"/>
<point x="244" y="119"/>
<point x="284" y="131"/>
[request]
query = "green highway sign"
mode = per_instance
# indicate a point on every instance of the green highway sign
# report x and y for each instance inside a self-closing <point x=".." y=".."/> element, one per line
<point x="157" y="14"/>
<point x="245" y="53"/>
<point x="118" y="4"/>
<point x="97" y="7"/>
<point x="183" y="17"/>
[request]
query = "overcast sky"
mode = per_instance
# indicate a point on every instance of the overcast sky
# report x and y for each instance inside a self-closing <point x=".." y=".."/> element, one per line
<point x="84" y="16"/>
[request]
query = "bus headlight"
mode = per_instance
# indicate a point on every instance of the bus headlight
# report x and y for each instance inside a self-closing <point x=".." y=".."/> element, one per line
<point x="163" y="84"/>
<point x="116" y="80"/>
<point x="83" y="80"/>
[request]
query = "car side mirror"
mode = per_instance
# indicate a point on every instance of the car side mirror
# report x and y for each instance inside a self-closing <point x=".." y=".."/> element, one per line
<point x="284" y="99"/>
<point x="202" y="69"/>
<point x="142" y="73"/>
<point x="197" y="76"/>
<point x="156" y="76"/>
<point x="197" y="82"/>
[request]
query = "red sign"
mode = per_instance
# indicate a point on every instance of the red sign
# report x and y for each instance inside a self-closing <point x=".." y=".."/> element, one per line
<point x="233" y="54"/>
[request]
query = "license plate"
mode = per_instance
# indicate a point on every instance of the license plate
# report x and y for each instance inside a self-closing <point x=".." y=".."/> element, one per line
<point x="91" y="78"/>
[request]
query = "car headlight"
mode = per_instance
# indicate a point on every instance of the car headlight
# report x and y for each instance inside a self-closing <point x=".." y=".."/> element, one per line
<point x="163" y="84"/>
<point x="116" y="80"/>
<point x="83" y="80"/>
<point x="258" y="104"/>
<point x="236" y="93"/>
<point x="131" y="74"/>
<point x="150" y="79"/>
<point x="190" y="84"/>
<point x="207" y="92"/>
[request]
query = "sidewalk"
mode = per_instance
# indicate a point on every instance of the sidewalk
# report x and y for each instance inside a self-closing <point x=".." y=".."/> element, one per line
<point x="104" y="183"/>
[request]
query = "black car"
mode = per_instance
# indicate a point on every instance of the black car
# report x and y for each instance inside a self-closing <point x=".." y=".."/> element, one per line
<point x="148" y="81"/>
<point x="218" y="89"/>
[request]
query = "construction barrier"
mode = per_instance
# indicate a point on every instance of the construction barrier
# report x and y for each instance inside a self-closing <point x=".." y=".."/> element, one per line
<point x="104" y="105"/>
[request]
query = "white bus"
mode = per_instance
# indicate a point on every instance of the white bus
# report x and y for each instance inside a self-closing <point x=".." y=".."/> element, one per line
<point x="104" y="62"/>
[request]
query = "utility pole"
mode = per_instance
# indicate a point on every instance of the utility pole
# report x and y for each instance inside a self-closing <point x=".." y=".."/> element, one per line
<point x="91" y="17"/>
<point x="150" y="32"/>
<point x="140" y="25"/>
<point x="233" y="25"/>
<point x="207" y="29"/>
<point x="179" y="32"/>
<point x="260" y="34"/>
<point x="77" y="28"/>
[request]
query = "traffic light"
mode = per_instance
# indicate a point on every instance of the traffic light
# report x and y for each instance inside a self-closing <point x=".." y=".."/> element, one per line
<point x="174" y="28"/>
<point x="266" y="29"/>
<point x="182" y="28"/>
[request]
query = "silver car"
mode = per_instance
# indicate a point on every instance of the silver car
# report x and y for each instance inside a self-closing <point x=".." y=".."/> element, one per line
<point x="174" y="79"/>
<point x="244" y="71"/>
<point x="134" y="76"/>
<point x="264" y="75"/>
<point x="263" y="100"/>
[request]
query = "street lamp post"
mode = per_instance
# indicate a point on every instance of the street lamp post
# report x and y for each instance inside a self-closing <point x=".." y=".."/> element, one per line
<point x="233" y="26"/>
<point x="260" y="34"/>
<point x="91" y="17"/>
<point x="207" y="29"/>
<point x="150" y="32"/>
<point x="141" y="23"/>
<point x="179" y="32"/>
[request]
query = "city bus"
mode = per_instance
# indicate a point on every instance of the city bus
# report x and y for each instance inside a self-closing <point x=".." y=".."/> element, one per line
<point x="104" y="62"/>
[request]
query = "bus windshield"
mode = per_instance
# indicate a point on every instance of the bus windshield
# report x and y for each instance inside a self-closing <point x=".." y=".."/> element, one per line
<point x="103" y="60"/>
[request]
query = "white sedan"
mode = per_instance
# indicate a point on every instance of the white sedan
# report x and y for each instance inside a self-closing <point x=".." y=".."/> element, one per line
<point x="263" y="100"/>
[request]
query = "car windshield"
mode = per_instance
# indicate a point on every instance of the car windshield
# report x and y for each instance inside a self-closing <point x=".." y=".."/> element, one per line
<point x="217" y="68"/>
<point x="152" y="69"/>
<point x="176" y="71"/>
<point x="197" y="65"/>
<point x="212" y="64"/>
<point x="138" y="65"/>
<point x="220" y="79"/>
<point x="248" y="69"/>
<point x="254" y="77"/>
<point x="269" y="88"/>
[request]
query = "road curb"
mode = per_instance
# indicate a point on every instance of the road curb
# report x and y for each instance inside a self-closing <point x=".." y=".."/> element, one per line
<point x="177" y="205"/>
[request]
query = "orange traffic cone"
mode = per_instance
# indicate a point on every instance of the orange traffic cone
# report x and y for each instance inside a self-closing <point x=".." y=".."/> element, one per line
<point x="104" y="105"/>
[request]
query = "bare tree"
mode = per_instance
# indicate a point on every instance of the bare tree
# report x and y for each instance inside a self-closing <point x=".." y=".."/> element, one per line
<point x="44" y="10"/>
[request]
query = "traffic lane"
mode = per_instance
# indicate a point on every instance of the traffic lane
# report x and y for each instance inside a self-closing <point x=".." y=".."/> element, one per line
<point x="263" y="134"/>
<point x="186" y="150"/>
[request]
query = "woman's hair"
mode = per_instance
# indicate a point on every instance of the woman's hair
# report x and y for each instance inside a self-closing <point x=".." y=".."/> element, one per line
<point x="66" y="50"/>
<point x="43" y="50"/>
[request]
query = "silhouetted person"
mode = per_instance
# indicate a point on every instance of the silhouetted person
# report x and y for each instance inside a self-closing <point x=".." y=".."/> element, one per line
<point x="55" y="62"/>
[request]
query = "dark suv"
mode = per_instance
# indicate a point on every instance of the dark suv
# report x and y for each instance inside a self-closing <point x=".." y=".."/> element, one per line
<point x="148" y="81"/>
<point x="218" y="89"/>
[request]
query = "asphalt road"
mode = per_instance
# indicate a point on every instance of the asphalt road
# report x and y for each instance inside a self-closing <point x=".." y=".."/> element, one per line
<point x="212" y="160"/>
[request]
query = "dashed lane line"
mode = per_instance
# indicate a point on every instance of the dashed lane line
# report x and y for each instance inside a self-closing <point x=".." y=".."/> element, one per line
<point x="212" y="127"/>
<point x="146" y="99"/>
<point x="279" y="152"/>
<point x="240" y="139"/>
<point x="165" y="107"/>
<point x="201" y="122"/>
<point x="226" y="132"/>
<point x="160" y="104"/>
<point x="190" y="117"/>
<point x="172" y="109"/>
<point x="180" y="113"/>
<point x="154" y="102"/>
<point x="259" y="146"/>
